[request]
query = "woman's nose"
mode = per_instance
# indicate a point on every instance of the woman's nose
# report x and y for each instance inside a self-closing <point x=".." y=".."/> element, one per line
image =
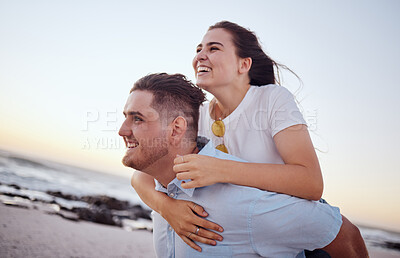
<point x="201" y="55"/>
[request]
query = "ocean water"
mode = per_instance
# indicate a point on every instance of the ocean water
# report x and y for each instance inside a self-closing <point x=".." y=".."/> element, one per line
<point x="41" y="176"/>
<point x="36" y="177"/>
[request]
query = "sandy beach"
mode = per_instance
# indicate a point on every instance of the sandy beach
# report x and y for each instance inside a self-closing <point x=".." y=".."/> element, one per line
<point x="380" y="253"/>
<point x="32" y="233"/>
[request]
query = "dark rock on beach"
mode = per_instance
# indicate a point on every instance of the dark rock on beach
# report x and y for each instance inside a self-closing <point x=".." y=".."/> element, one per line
<point x="104" y="209"/>
<point x="110" y="211"/>
<point x="106" y="202"/>
<point x="392" y="245"/>
<point x="100" y="209"/>
<point x="97" y="215"/>
<point x="62" y="195"/>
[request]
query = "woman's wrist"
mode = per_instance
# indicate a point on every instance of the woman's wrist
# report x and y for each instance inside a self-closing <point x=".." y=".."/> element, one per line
<point x="163" y="204"/>
<point x="225" y="171"/>
<point x="233" y="172"/>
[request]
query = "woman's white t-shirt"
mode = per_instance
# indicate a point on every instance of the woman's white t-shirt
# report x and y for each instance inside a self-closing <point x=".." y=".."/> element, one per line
<point x="250" y="128"/>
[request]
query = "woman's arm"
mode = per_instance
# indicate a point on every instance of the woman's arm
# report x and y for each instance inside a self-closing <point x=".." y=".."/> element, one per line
<point x="181" y="215"/>
<point x="144" y="187"/>
<point x="300" y="175"/>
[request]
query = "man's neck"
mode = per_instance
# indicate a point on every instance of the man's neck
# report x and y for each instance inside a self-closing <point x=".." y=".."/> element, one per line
<point x="163" y="171"/>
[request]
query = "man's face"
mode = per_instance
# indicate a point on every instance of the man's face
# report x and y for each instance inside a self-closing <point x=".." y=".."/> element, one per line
<point x="142" y="131"/>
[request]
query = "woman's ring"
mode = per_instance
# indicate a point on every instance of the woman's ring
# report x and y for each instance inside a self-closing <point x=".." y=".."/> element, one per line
<point x="194" y="206"/>
<point x="189" y="235"/>
<point x="183" y="161"/>
<point x="197" y="230"/>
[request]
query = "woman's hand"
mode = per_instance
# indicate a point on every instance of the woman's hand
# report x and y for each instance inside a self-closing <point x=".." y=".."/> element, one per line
<point x="181" y="215"/>
<point x="202" y="170"/>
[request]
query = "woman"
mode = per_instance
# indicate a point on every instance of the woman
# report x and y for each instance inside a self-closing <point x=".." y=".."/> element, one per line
<point x="259" y="124"/>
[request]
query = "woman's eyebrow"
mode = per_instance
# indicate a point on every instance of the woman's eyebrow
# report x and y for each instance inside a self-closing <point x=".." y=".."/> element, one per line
<point x="211" y="43"/>
<point x="214" y="43"/>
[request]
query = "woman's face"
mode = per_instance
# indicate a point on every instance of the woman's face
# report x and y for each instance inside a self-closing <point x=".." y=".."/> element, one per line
<point x="216" y="63"/>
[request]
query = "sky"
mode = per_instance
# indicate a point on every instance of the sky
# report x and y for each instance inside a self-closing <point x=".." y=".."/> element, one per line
<point x="66" y="68"/>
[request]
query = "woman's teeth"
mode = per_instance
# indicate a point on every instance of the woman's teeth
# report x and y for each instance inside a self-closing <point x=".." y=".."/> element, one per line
<point x="203" y="69"/>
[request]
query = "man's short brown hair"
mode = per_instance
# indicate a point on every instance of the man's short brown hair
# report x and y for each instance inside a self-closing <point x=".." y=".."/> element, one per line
<point x="174" y="95"/>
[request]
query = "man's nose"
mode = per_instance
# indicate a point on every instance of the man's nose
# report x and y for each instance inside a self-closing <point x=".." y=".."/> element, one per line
<point x="124" y="130"/>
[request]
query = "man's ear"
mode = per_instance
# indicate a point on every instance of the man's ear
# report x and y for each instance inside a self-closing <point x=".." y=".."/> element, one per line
<point x="245" y="64"/>
<point x="178" y="130"/>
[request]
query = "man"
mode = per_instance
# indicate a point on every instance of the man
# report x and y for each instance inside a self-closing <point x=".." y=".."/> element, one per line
<point x="161" y="122"/>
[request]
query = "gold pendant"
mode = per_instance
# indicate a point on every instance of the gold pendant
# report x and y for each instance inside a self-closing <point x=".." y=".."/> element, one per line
<point x="222" y="148"/>
<point x="218" y="128"/>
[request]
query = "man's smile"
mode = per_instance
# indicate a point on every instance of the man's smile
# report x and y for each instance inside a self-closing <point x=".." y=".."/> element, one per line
<point x="130" y="144"/>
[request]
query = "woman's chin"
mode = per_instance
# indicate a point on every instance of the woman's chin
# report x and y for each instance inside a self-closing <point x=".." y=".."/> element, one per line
<point x="202" y="84"/>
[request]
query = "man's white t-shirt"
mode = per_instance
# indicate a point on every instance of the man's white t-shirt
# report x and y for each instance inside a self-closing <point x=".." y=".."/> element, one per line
<point x="250" y="128"/>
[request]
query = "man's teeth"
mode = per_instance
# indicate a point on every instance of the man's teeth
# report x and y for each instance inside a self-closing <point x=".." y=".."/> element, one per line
<point x="203" y="69"/>
<point x="132" y="145"/>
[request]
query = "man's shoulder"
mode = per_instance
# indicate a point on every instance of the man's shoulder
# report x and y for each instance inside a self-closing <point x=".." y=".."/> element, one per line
<point x="211" y="151"/>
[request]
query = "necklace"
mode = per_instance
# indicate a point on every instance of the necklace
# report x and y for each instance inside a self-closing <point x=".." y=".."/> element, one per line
<point x="218" y="129"/>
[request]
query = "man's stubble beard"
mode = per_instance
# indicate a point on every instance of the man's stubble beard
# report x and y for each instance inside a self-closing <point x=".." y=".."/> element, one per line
<point x="149" y="154"/>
